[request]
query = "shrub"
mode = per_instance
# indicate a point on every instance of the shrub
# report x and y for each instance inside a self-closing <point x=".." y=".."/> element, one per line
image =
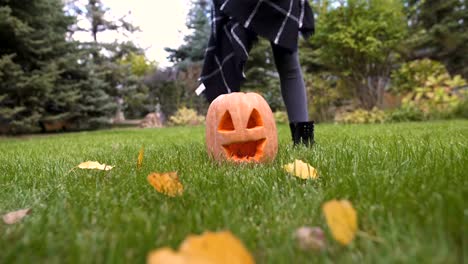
<point x="361" y="116"/>
<point x="461" y="111"/>
<point x="186" y="116"/>
<point x="428" y="90"/>
<point x="415" y="74"/>
<point x="405" y="114"/>
<point x="437" y="97"/>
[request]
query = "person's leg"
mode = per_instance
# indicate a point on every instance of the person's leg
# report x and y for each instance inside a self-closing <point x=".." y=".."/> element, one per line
<point x="292" y="83"/>
<point x="294" y="94"/>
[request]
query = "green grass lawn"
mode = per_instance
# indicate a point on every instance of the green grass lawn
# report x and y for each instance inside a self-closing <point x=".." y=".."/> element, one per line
<point x="407" y="182"/>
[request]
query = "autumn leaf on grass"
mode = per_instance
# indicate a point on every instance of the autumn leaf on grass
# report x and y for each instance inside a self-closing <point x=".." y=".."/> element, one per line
<point x="140" y="157"/>
<point x="341" y="219"/>
<point x="301" y="170"/>
<point x="210" y="247"/>
<point x="16" y="216"/>
<point x="168" y="256"/>
<point x="94" y="165"/>
<point x="167" y="183"/>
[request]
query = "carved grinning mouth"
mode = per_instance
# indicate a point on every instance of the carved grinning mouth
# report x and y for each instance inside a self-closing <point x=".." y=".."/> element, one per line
<point x="245" y="151"/>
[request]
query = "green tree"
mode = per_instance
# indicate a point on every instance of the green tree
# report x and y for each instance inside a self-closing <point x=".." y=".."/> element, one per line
<point x="439" y="31"/>
<point x="165" y="91"/>
<point x="120" y="64"/>
<point x="198" y="22"/>
<point x="187" y="58"/>
<point x="135" y="67"/>
<point x="356" y="40"/>
<point x="138" y="63"/>
<point x="32" y="52"/>
<point x="95" y="14"/>
<point x="95" y="106"/>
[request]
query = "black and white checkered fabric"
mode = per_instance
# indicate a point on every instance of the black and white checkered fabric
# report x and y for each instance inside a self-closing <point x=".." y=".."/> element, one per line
<point x="235" y="26"/>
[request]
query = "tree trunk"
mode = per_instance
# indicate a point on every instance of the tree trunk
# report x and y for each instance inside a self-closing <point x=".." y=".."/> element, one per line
<point x="370" y="91"/>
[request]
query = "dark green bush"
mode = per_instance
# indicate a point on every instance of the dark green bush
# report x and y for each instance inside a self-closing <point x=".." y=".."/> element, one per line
<point x="361" y="116"/>
<point x="461" y="111"/>
<point x="405" y="114"/>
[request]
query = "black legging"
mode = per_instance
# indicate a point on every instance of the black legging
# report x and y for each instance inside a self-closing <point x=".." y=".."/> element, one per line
<point x="292" y="83"/>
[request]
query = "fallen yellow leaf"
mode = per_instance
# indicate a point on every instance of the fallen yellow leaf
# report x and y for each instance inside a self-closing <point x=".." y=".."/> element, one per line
<point x="210" y="247"/>
<point x="167" y="183"/>
<point x="341" y="219"/>
<point x="301" y="169"/>
<point x="140" y="157"/>
<point x="94" y="165"/>
<point x="16" y="216"/>
<point x="169" y="256"/>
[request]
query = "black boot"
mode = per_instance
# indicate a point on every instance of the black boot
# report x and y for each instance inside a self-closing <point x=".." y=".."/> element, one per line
<point x="302" y="133"/>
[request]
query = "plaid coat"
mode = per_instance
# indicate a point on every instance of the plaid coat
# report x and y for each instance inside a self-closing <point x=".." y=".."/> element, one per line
<point x="234" y="28"/>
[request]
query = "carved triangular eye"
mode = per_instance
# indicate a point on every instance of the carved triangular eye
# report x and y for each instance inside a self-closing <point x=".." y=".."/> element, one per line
<point x="226" y="122"/>
<point x="255" y="119"/>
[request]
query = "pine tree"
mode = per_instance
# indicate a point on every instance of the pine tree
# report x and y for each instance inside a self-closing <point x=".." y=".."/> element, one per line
<point x="440" y="32"/>
<point x="126" y="89"/>
<point x="188" y="60"/>
<point x="95" y="106"/>
<point x="33" y="44"/>
<point x="198" y="21"/>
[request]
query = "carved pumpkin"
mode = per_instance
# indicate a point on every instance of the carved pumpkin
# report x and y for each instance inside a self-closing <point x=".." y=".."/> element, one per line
<point x="240" y="127"/>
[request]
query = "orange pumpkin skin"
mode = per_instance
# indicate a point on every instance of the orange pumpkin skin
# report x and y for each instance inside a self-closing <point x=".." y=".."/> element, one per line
<point x="240" y="127"/>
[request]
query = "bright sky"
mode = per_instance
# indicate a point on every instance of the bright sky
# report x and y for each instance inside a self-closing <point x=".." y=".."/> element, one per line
<point x="161" y="22"/>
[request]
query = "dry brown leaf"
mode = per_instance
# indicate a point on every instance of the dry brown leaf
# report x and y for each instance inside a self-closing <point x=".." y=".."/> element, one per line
<point x="94" y="165"/>
<point x="140" y="157"/>
<point x="341" y="219"/>
<point x="16" y="216"/>
<point x="301" y="170"/>
<point x="210" y="247"/>
<point x="167" y="183"/>
<point x="310" y="238"/>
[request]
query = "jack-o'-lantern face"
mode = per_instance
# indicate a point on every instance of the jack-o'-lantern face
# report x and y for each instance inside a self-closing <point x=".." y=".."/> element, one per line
<point x="240" y="127"/>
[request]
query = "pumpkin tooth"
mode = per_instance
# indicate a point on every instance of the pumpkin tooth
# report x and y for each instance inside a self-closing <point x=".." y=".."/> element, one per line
<point x="245" y="151"/>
